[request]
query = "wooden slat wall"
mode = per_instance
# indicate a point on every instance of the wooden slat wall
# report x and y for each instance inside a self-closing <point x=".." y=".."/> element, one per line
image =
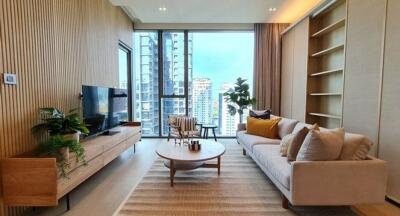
<point x="54" y="46"/>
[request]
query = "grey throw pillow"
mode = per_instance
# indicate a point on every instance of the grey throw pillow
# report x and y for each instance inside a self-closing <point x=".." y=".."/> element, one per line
<point x="322" y="145"/>
<point x="295" y="145"/>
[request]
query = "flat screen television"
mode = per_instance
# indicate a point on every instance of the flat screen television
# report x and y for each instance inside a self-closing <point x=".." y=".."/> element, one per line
<point x="104" y="108"/>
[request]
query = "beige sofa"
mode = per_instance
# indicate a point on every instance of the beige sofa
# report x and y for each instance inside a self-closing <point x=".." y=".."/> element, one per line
<point x="317" y="183"/>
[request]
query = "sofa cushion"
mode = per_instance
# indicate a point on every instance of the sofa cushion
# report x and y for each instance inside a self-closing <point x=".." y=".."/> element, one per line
<point x="296" y="143"/>
<point x="285" y="125"/>
<point x="278" y="167"/>
<point x="250" y="141"/>
<point x="260" y="114"/>
<point x="322" y="145"/>
<point x="285" y="143"/>
<point x="263" y="127"/>
<point x="355" y="147"/>
<point x="300" y="126"/>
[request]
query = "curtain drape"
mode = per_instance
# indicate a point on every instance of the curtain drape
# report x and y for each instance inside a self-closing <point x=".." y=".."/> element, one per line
<point x="267" y="65"/>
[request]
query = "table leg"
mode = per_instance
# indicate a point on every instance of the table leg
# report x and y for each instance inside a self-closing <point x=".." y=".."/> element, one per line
<point x="215" y="138"/>
<point x="171" y="172"/>
<point x="219" y="165"/>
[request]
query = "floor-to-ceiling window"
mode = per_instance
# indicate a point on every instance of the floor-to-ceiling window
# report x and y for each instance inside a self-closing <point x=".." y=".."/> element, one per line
<point x="186" y="73"/>
<point x="219" y="58"/>
<point x="146" y="104"/>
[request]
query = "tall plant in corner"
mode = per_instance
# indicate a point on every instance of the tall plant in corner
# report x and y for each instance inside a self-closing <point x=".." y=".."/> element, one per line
<point x="239" y="99"/>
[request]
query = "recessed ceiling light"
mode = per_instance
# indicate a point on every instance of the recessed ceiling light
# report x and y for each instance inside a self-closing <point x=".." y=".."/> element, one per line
<point x="162" y="8"/>
<point x="272" y="9"/>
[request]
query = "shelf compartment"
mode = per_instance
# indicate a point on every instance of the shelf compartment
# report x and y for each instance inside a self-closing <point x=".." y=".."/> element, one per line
<point x="330" y="28"/>
<point x="325" y="115"/>
<point x="328" y="51"/>
<point x="325" y="94"/>
<point x="326" y="72"/>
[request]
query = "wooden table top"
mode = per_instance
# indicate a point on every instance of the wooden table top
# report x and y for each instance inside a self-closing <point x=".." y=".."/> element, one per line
<point x="209" y="150"/>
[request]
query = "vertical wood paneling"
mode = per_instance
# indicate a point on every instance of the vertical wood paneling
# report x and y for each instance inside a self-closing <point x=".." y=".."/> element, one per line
<point x="54" y="46"/>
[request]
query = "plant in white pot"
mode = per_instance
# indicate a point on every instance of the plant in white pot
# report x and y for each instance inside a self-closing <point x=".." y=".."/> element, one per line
<point x="63" y="130"/>
<point x="239" y="98"/>
<point x="56" y="122"/>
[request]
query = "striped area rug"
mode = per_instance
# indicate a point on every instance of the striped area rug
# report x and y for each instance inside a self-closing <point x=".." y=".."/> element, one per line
<point x="241" y="189"/>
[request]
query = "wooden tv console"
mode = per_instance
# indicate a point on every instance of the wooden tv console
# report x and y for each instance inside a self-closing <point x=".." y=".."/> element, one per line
<point x="30" y="181"/>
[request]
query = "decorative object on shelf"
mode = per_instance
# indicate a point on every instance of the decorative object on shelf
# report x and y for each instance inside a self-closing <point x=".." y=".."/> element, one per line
<point x="239" y="98"/>
<point x="56" y="122"/>
<point x="59" y="146"/>
<point x="194" y="145"/>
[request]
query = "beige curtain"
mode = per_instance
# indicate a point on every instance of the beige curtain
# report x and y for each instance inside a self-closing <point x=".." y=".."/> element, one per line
<point x="267" y="65"/>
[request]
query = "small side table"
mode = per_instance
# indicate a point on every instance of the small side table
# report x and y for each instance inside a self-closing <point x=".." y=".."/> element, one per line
<point x="207" y="128"/>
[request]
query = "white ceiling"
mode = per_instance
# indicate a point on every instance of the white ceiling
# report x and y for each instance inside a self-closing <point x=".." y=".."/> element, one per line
<point x="215" y="11"/>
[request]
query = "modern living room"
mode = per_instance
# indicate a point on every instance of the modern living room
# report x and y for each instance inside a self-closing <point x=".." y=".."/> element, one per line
<point x="200" y="107"/>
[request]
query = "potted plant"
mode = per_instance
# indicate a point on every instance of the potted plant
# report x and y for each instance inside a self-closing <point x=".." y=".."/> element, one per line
<point x="56" y="122"/>
<point x="53" y="146"/>
<point x="239" y="98"/>
<point x="63" y="130"/>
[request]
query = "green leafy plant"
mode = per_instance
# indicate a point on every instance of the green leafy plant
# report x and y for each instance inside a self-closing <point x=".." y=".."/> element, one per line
<point x="52" y="148"/>
<point x="57" y="122"/>
<point x="239" y="98"/>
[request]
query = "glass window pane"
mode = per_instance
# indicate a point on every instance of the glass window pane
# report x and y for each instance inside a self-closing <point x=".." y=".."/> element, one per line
<point x="173" y="63"/>
<point x="146" y="81"/>
<point x="216" y="60"/>
<point x="123" y="59"/>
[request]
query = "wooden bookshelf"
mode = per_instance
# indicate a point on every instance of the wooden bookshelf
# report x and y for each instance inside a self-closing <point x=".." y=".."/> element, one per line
<point x="328" y="50"/>
<point x="330" y="28"/>
<point x="326" y="94"/>
<point x="327" y="72"/>
<point x="325" y="115"/>
<point x="326" y="65"/>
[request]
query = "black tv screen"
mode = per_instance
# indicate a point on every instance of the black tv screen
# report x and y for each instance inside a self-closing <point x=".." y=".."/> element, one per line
<point x="104" y="108"/>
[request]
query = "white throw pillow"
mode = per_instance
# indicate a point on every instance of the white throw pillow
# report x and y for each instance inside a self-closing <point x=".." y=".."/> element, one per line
<point x="322" y="145"/>
<point x="285" y="143"/>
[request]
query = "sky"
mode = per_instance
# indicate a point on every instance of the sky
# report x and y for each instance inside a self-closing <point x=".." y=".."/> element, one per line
<point x="223" y="57"/>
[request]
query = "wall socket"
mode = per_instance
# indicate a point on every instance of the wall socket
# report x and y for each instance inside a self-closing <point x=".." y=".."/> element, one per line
<point x="10" y="79"/>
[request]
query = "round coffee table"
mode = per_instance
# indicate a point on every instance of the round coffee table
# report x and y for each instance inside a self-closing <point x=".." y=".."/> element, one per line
<point x="180" y="158"/>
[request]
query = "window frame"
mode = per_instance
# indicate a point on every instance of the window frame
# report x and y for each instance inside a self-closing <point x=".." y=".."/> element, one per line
<point x="186" y="70"/>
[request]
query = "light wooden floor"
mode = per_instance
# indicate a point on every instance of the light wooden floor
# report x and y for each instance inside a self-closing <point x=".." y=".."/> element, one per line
<point x="103" y="193"/>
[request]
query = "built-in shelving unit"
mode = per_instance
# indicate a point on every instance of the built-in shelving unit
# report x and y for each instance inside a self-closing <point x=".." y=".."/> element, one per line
<point x="327" y="72"/>
<point x="328" y="50"/>
<point x="325" y="94"/>
<point x="326" y="65"/>
<point x="325" y="115"/>
<point x="330" y="28"/>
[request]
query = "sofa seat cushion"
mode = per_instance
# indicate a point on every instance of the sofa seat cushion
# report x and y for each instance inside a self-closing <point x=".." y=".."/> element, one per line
<point x="250" y="141"/>
<point x="270" y="158"/>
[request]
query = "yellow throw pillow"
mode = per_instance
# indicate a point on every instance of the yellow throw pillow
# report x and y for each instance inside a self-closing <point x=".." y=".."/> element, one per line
<point x="263" y="127"/>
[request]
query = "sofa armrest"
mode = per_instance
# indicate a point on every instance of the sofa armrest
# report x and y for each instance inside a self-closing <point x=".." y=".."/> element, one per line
<point x="338" y="182"/>
<point x="241" y="127"/>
